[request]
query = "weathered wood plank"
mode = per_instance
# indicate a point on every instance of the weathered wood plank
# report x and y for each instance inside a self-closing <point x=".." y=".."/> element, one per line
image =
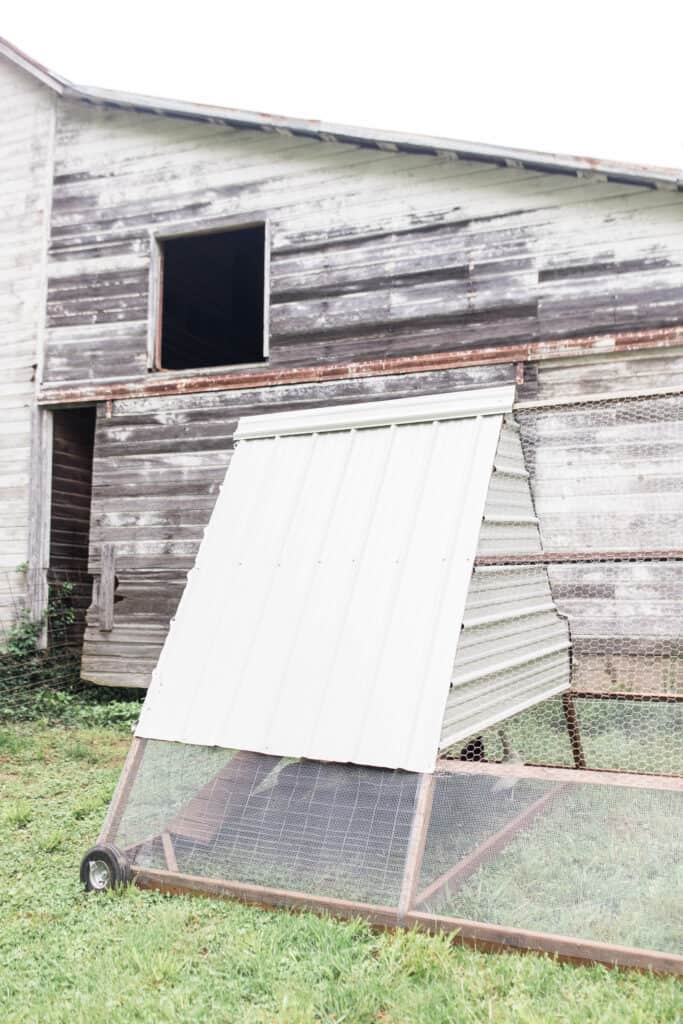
<point x="26" y="120"/>
<point x="373" y="253"/>
<point x="107" y="585"/>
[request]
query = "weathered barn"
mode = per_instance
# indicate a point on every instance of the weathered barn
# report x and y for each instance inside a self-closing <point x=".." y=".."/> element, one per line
<point x="171" y="269"/>
<point x="386" y="266"/>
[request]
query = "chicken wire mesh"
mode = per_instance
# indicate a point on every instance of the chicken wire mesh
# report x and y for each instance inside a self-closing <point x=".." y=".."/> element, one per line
<point x="601" y="861"/>
<point x="561" y="816"/>
<point x="38" y="654"/>
<point x="339" y="830"/>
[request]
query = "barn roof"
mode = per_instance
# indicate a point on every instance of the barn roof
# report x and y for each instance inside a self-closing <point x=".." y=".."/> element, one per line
<point x="611" y="170"/>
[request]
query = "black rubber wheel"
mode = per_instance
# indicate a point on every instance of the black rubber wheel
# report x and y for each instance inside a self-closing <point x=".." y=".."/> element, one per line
<point x="104" y="867"/>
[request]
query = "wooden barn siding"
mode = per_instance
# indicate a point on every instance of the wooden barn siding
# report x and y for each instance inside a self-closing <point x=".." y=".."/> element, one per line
<point x="609" y="476"/>
<point x="158" y="465"/>
<point x="25" y="131"/>
<point x="374" y="253"/>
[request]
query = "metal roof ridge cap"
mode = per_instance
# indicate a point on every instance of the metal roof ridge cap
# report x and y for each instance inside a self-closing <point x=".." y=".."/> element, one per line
<point x="448" y="406"/>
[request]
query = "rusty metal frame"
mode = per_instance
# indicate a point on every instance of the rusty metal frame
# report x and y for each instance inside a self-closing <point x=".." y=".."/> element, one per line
<point x="155" y="385"/>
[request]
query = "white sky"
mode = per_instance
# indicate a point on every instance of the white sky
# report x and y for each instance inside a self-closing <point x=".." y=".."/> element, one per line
<point x="597" y="78"/>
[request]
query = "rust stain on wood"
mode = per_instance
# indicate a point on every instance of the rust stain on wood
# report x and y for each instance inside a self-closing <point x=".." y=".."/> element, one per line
<point x="157" y="385"/>
<point x="636" y="695"/>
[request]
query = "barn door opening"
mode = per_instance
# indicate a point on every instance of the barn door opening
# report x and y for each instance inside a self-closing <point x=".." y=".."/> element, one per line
<point x="73" y="435"/>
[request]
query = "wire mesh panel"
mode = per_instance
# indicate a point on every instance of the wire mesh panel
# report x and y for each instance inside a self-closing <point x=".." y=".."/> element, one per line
<point x="607" y="485"/>
<point x="502" y="843"/>
<point x="336" y="830"/>
<point x="603" y="862"/>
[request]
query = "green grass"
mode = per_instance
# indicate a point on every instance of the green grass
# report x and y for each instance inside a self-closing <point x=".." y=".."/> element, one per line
<point x="602" y="863"/>
<point x="140" y="956"/>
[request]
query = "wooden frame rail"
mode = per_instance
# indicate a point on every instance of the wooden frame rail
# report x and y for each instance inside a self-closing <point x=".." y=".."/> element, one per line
<point x="122" y="792"/>
<point x="645" y="697"/>
<point x="494" y="938"/>
<point x="570" y="557"/>
<point x="416" y="843"/>
<point x="577" y="776"/>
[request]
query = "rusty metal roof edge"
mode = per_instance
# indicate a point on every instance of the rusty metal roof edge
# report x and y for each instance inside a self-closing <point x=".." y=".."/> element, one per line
<point x="634" y="174"/>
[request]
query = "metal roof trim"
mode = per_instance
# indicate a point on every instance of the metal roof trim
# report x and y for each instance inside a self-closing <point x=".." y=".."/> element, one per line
<point x="451" y="406"/>
<point x="506" y="156"/>
<point x="461" y="149"/>
<point x="33" y="67"/>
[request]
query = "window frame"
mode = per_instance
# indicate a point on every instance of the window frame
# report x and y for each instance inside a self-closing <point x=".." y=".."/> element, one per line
<point x="157" y="237"/>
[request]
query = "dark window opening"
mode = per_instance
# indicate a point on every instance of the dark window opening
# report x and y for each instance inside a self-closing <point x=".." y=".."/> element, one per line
<point x="213" y="299"/>
<point x="72" y="465"/>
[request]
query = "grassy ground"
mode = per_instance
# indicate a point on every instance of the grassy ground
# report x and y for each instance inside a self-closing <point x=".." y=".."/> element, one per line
<point x="601" y="862"/>
<point x="139" y="956"/>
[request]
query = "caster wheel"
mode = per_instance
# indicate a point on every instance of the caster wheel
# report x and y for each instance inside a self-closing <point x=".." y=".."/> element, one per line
<point x="104" y="867"/>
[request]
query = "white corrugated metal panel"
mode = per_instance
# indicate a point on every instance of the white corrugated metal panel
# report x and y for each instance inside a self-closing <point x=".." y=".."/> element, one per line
<point x="514" y="648"/>
<point x="402" y="411"/>
<point x="510" y="525"/>
<point x="323" y="613"/>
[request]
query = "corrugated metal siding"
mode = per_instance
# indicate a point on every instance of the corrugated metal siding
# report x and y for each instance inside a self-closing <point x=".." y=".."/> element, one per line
<point x="322" y="616"/>
<point x="514" y="645"/>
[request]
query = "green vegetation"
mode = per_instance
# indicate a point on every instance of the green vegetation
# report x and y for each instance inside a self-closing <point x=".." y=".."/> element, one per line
<point x="138" y="956"/>
<point x="40" y="684"/>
